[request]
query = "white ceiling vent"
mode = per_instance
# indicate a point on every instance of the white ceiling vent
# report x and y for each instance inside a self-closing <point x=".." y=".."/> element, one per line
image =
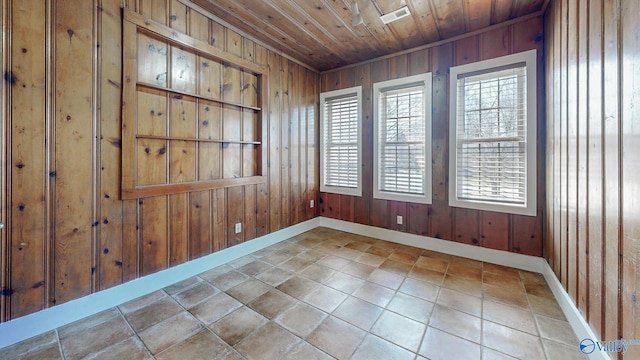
<point x="395" y="15"/>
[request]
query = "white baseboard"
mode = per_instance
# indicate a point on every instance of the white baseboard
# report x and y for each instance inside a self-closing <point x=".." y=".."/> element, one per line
<point x="40" y="322"/>
<point x="37" y="323"/>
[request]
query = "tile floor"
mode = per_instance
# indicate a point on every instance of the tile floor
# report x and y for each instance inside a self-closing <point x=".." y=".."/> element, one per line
<point x="328" y="294"/>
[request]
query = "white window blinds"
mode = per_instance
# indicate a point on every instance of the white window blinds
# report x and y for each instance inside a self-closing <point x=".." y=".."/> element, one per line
<point x="340" y="142"/>
<point x="402" y="132"/>
<point x="493" y="132"/>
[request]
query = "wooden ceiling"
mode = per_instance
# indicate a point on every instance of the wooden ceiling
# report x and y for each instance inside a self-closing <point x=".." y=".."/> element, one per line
<point x="319" y="33"/>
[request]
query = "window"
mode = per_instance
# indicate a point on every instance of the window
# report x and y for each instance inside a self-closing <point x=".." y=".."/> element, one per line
<point x="493" y="135"/>
<point x="402" y="134"/>
<point x="340" y="144"/>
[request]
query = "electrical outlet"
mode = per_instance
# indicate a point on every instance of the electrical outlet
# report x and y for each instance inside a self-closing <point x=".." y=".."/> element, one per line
<point x="399" y="219"/>
<point x="238" y="228"/>
<point x="311" y="204"/>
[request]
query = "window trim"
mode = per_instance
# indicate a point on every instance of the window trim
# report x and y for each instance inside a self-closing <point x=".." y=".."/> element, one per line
<point x="327" y="96"/>
<point x="530" y="59"/>
<point x="405" y="82"/>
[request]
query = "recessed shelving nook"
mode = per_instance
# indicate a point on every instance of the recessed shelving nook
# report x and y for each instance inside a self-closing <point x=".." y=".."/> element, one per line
<point x="192" y="114"/>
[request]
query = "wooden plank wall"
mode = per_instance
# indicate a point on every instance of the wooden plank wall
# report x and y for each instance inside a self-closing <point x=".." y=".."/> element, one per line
<point x="516" y="233"/>
<point x="592" y="222"/>
<point x="68" y="234"/>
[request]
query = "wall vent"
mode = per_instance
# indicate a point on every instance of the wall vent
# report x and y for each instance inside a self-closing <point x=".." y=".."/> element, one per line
<point x="395" y="15"/>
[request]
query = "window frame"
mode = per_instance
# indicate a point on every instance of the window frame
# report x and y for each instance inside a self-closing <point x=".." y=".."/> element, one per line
<point x="395" y="84"/>
<point x="324" y="98"/>
<point x="529" y="58"/>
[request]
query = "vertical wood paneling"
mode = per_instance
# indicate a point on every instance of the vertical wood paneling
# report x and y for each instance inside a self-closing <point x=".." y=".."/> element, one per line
<point x="110" y="249"/>
<point x="74" y="180"/>
<point x="631" y="168"/>
<point x="594" y="167"/>
<point x="179" y="235"/>
<point x="68" y="231"/>
<point x="154" y="237"/>
<point x="611" y="155"/>
<point x="28" y="202"/>
<point x="592" y="187"/>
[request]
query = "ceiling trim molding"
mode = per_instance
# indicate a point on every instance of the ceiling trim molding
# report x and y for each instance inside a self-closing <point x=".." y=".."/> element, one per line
<point x="539" y="13"/>
<point x="222" y="22"/>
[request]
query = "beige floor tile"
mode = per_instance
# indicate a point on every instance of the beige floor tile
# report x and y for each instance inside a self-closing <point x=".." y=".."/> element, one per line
<point x="556" y="330"/>
<point x="559" y="351"/>
<point x="513" y="317"/>
<point x="399" y="330"/>
<point x="297" y="286"/>
<point x="358" y="246"/>
<point x="358" y="270"/>
<point x="312" y="255"/>
<point x="435" y="264"/>
<point x="420" y="289"/>
<point x="386" y="279"/>
<point x="130" y="349"/>
<point x="33" y="346"/>
<point x="333" y="262"/>
<point x="463" y="284"/>
<point x="325" y="298"/>
<point x="85" y="336"/>
<point x="182" y="285"/>
<point x="255" y="267"/>
<point x="370" y="259"/>
<point x="460" y="301"/>
<point x="375" y="348"/>
<point x="374" y="293"/>
<point x="277" y="257"/>
<point x="511" y="342"/>
<point x="396" y="267"/>
<point x="503" y="271"/>
<point x="343" y="282"/>
<point x="506" y="295"/>
<point x="248" y="290"/>
<point x="409" y="258"/>
<point x="169" y="332"/>
<point x="269" y="342"/>
<point x="545" y="306"/>
<point x="411" y="307"/>
<point x="379" y="251"/>
<point x="490" y="354"/>
<point x="465" y="271"/>
<point x="274" y="276"/>
<point x="231" y="355"/>
<point x="203" y="345"/>
<point x="301" y="319"/>
<point x="456" y="322"/>
<point x="152" y="313"/>
<point x="424" y="274"/>
<point x="237" y="325"/>
<point x="296" y="264"/>
<point x="272" y="303"/>
<point x="51" y="352"/>
<point x="195" y="294"/>
<point x="439" y="345"/>
<point x="228" y="280"/>
<point x="358" y="312"/>
<point x="307" y="352"/>
<point x="215" y="272"/>
<point x="215" y="308"/>
<point x="508" y="282"/>
<point x="337" y="338"/>
<point x="241" y="261"/>
<point x="317" y="272"/>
